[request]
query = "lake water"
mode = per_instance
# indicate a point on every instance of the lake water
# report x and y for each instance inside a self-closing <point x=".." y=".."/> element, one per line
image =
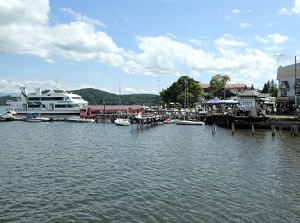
<point x="99" y="172"/>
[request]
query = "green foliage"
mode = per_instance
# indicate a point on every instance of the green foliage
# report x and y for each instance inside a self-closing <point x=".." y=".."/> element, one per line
<point x="270" y="88"/>
<point x="176" y="92"/>
<point x="218" y="82"/>
<point x="3" y="99"/>
<point x="96" y="97"/>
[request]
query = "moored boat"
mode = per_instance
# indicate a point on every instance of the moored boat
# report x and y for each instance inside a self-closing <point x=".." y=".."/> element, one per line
<point x="35" y="117"/>
<point x="50" y="102"/>
<point x="79" y="120"/>
<point x="189" y="122"/>
<point x="123" y="121"/>
<point x="7" y="116"/>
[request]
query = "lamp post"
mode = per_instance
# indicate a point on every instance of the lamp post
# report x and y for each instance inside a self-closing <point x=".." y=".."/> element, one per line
<point x="103" y="106"/>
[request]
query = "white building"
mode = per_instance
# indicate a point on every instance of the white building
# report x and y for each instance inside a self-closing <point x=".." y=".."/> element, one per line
<point x="289" y="85"/>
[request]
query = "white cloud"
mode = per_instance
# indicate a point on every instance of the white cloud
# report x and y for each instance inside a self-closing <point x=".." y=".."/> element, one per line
<point x="262" y="40"/>
<point x="244" y="24"/>
<point x="84" y="18"/>
<point x="160" y="55"/>
<point x="284" y="11"/>
<point x="13" y="86"/>
<point x="236" y="11"/>
<point x="271" y="24"/>
<point x="24" y="12"/>
<point x="296" y="8"/>
<point x="130" y="91"/>
<point x="272" y="39"/>
<point x="196" y="42"/>
<point x="229" y="41"/>
<point x="277" y="38"/>
<point x="24" y="30"/>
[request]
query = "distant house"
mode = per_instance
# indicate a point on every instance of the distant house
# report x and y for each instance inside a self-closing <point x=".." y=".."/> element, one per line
<point x="230" y="90"/>
<point x="289" y="85"/>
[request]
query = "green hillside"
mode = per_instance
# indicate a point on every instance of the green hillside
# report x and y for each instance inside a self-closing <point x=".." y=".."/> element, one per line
<point x="96" y="97"/>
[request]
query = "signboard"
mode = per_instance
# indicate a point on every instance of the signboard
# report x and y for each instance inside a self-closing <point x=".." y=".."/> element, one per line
<point x="247" y="102"/>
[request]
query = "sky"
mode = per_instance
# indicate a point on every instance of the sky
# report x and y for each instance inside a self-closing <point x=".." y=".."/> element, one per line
<point x="143" y="46"/>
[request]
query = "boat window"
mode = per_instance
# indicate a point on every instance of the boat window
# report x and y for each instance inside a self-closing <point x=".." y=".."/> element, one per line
<point x="79" y="98"/>
<point x="46" y="99"/>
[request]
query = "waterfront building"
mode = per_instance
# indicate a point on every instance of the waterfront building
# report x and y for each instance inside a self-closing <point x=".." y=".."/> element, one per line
<point x="288" y="87"/>
<point x="93" y="111"/>
<point x="230" y="90"/>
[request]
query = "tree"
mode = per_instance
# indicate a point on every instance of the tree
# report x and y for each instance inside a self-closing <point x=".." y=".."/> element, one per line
<point x="270" y="88"/>
<point x="176" y="92"/>
<point x="218" y="82"/>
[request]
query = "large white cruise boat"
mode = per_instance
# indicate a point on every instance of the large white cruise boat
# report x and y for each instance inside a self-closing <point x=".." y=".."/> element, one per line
<point x="50" y="102"/>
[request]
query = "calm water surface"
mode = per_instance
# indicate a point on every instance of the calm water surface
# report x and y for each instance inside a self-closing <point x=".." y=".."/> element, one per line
<point x="96" y="172"/>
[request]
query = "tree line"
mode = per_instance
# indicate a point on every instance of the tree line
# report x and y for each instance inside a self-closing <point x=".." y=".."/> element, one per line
<point x="187" y="88"/>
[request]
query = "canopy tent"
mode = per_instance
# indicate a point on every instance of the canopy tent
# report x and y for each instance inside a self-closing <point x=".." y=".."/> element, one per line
<point x="216" y="101"/>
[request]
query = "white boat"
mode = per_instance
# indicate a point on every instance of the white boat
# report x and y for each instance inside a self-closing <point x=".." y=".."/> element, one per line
<point x="188" y="122"/>
<point x="7" y="116"/>
<point x="80" y="120"/>
<point x="122" y="121"/>
<point x="11" y="111"/>
<point x="50" y="102"/>
<point x="35" y="117"/>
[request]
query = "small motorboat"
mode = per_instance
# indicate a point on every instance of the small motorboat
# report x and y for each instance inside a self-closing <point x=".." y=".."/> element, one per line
<point x="123" y="121"/>
<point x="189" y="122"/>
<point x="35" y="117"/>
<point x="80" y="120"/>
<point x="7" y="116"/>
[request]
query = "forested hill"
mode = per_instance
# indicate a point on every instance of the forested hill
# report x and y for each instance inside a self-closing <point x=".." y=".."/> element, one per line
<point x="96" y="97"/>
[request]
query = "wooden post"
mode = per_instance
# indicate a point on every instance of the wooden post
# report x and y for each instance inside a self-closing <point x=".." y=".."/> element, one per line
<point x="253" y="131"/>
<point x="273" y="130"/>
<point x="232" y="128"/>
<point x="214" y="128"/>
<point x="294" y="130"/>
<point x="280" y="129"/>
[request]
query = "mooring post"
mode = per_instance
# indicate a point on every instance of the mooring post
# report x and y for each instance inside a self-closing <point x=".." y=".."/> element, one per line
<point x="294" y="130"/>
<point x="232" y="128"/>
<point x="214" y="128"/>
<point x="253" y="131"/>
<point x="273" y="130"/>
<point x="280" y="128"/>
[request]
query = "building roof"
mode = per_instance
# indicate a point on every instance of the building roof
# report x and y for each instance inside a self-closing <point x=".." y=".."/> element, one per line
<point x="228" y="86"/>
<point x="253" y="94"/>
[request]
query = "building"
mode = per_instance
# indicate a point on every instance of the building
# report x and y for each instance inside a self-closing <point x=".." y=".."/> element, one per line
<point x="92" y="111"/>
<point x="230" y="90"/>
<point x="288" y="87"/>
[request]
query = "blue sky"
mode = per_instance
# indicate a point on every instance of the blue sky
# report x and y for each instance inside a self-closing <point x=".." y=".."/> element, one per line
<point x="144" y="45"/>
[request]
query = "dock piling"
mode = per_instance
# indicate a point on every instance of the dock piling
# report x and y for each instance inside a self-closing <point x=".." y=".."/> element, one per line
<point x="232" y="128"/>
<point x="273" y="130"/>
<point x="214" y="128"/>
<point x="253" y="131"/>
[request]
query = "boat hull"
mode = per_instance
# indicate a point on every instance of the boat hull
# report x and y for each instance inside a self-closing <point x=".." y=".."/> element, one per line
<point x="187" y="122"/>
<point x="122" y="122"/>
